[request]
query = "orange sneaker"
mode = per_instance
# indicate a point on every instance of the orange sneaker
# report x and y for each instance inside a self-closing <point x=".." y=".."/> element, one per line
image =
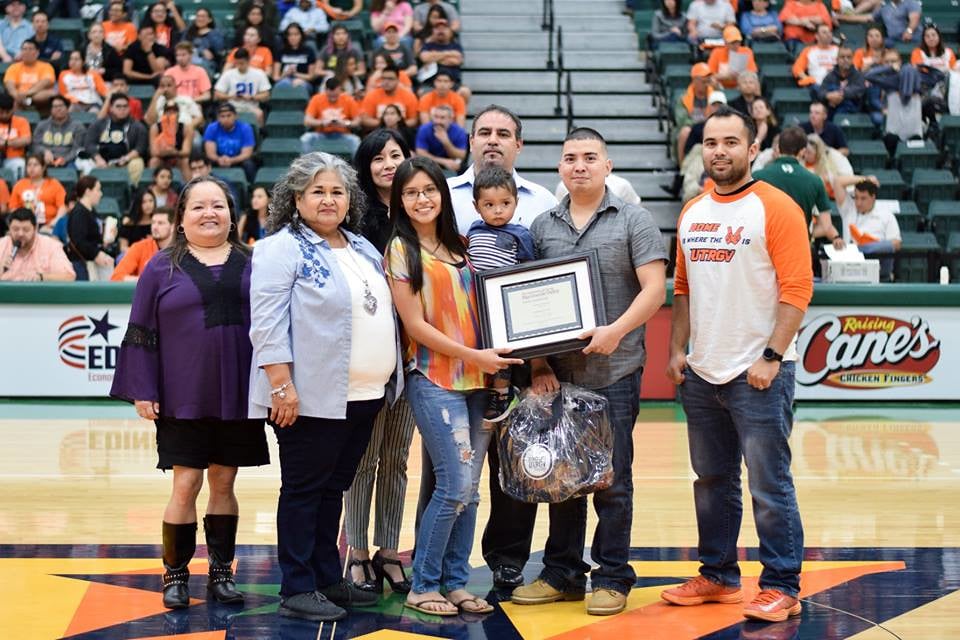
<point x="773" y="606"/>
<point x="700" y="590"/>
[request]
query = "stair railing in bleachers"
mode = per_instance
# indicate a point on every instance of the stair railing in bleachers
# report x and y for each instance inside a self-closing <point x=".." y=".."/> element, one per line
<point x="547" y="11"/>
<point x="558" y="109"/>
<point x="548" y="4"/>
<point x="569" y="92"/>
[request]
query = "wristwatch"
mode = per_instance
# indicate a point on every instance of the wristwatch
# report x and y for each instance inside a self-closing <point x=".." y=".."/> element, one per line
<point x="772" y="356"/>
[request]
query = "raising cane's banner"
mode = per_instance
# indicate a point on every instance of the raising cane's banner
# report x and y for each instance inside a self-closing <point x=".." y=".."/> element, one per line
<point x="879" y="353"/>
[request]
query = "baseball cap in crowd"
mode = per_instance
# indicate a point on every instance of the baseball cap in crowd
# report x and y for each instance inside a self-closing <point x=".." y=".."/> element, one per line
<point x="717" y="97"/>
<point x="226" y="106"/>
<point x="393" y="25"/>
<point x="732" y="34"/>
<point x="700" y="70"/>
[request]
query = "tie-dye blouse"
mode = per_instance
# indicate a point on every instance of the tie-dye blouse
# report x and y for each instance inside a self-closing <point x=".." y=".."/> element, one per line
<point x="449" y="301"/>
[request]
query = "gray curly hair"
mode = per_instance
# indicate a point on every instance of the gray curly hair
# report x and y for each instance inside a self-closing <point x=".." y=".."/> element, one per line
<point x="283" y="203"/>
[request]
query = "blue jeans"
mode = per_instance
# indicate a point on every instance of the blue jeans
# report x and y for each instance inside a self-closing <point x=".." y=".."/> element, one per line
<point x="563" y="565"/>
<point x="451" y="425"/>
<point x="727" y="423"/>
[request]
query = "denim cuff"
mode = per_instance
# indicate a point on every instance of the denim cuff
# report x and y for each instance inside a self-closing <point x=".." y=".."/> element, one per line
<point x="613" y="586"/>
<point x="560" y="583"/>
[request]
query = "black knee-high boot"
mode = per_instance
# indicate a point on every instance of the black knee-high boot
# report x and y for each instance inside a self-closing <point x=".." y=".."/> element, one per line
<point x="221" y="532"/>
<point x="179" y="543"/>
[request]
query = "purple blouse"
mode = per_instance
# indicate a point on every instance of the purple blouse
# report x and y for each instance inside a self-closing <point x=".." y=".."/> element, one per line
<point x="187" y="344"/>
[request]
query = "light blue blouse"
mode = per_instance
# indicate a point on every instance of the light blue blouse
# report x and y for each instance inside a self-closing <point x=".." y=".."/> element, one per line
<point x="300" y="313"/>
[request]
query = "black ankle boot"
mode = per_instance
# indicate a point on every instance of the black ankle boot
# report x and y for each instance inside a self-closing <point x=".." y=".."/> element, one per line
<point x="221" y="532"/>
<point x="179" y="543"/>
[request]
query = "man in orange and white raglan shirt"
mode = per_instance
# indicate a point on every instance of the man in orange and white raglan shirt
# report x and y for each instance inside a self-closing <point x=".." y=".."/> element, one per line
<point x="743" y="281"/>
<point x="816" y="61"/>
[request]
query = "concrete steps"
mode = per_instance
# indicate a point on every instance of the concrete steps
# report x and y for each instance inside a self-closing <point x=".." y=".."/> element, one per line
<point x="632" y="157"/>
<point x="584" y="105"/>
<point x="562" y="8"/>
<point x="602" y="60"/>
<point x="614" y="130"/>
<point x="573" y="43"/>
<point x="530" y="24"/>
<point x="506" y="63"/>
<point x="607" y="82"/>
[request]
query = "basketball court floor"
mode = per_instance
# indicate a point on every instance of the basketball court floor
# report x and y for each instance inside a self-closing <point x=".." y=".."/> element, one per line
<point x="879" y="491"/>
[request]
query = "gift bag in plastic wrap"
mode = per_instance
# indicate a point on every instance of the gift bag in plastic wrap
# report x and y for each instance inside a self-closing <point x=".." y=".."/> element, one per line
<point x="555" y="446"/>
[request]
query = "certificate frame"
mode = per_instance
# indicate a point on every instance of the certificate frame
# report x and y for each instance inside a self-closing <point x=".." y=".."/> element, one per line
<point x="539" y="308"/>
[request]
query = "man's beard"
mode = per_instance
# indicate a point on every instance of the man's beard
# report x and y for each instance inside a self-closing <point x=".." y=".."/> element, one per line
<point x="734" y="175"/>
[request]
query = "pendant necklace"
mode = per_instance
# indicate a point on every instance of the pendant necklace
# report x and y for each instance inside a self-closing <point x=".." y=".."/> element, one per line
<point x="369" y="300"/>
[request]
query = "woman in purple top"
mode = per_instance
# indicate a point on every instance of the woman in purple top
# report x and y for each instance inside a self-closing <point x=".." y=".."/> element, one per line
<point x="185" y="364"/>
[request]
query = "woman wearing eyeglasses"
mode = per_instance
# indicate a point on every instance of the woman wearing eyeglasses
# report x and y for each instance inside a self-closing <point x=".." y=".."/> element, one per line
<point x="434" y="292"/>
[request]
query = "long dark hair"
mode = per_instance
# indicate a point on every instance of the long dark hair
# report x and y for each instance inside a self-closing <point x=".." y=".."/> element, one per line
<point x="136" y="205"/>
<point x="403" y="229"/>
<point x="178" y="249"/>
<point x="427" y="30"/>
<point x="923" y="41"/>
<point x="192" y="30"/>
<point x="677" y="10"/>
<point x="373" y="144"/>
<point x="377" y="227"/>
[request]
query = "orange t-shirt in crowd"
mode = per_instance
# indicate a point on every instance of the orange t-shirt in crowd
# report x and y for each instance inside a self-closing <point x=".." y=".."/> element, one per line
<point x="861" y="55"/>
<point x="719" y="61"/>
<point x="164" y="35"/>
<point x="24" y="76"/>
<point x="81" y="87"/>
<point x="816" y="62"/>
<point x="262" y="59"/>
<point x="795" y="9"/>
<point x="4" y="195"/>
<point x="119" y="35"/>
<point x="50" y="194"/>
<point x="377" y="100"/>
<point x="16" y="128"/>
<point x="453" y="99"/>
<point x="191" y="82"/>
<point x="345" y="108"/>
<point x="135" y="259"/>
<point x="944" y="62"/>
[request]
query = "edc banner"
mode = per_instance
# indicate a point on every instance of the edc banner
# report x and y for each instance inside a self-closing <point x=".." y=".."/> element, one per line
<point x="879" y="353"/>
<point x="60" y="350"/>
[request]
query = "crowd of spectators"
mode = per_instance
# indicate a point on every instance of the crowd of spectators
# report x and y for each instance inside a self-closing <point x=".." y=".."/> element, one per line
<point x="171" y="91"/>
<point x="849" y="59"/>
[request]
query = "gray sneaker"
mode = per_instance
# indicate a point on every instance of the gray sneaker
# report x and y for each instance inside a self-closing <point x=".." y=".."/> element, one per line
<point x="346" y="594"/>
<point x="311" y="605"/>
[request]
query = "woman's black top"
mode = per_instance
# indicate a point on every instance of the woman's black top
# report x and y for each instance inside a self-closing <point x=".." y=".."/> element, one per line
<point x="376" y="225"/>
<point x="85" y="237"/>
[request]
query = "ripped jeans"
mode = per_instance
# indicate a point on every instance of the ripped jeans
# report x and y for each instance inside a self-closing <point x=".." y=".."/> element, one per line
<point x="451" y="426"/>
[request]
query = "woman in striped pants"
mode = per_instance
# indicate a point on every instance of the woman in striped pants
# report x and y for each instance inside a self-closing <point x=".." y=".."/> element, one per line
<point x="385" y="461"/>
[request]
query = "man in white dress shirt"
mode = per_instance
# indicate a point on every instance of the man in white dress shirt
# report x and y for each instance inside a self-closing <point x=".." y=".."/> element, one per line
<point x="496" y="139"/>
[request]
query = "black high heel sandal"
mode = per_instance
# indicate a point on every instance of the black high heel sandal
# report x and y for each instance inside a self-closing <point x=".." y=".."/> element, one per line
<point x="369" y="582"/>
<point x="398" y="586"/>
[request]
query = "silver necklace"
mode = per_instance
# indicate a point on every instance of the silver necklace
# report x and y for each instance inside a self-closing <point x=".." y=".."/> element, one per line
<point x="369" y="300"/>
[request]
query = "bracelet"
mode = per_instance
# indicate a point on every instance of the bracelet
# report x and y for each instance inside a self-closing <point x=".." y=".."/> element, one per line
<point x="280" y="391"/>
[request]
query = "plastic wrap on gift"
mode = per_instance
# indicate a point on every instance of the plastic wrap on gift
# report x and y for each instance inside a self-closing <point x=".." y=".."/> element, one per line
<point x="555" y="446"/>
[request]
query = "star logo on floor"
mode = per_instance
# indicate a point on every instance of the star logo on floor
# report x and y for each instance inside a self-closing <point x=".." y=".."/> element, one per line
<point x="105" y="598"/>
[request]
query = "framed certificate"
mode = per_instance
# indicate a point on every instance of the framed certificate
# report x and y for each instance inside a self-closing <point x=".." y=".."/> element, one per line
<point x="539" y="308"/>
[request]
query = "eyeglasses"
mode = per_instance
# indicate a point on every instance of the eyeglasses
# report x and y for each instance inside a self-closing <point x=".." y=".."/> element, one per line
<point x="412" y="195"/>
